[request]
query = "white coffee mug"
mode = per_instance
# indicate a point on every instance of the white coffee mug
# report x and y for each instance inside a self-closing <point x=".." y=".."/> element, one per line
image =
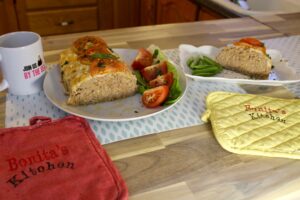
<point x="22" y="63"/>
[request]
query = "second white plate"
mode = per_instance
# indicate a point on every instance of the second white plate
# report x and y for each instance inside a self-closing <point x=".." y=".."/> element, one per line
<point x="280" y="74"/>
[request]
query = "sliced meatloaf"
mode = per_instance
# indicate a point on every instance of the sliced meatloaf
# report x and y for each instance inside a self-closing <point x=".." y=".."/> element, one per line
<point x="92" y="73"/>
<point x="246" y="60"/>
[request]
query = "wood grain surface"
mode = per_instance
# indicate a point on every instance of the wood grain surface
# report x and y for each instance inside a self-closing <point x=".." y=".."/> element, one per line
<point x="216" y="32"/>
<point x="188" y="163"/>
<point x="288" y="24"/>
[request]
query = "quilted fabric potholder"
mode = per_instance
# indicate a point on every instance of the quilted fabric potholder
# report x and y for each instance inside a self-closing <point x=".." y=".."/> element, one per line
<point x="256" y="125"/>
<point x="59" y="160"/>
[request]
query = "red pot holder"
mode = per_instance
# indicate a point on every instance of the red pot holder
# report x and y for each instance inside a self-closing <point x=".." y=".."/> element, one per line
<point x="59" y="159"/>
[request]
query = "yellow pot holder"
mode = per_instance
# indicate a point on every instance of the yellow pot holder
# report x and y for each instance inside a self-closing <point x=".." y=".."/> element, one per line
<point x="255" y="125"/>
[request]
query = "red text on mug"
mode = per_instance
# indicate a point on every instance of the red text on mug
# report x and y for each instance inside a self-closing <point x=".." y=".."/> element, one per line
<point x="34" y="69"/>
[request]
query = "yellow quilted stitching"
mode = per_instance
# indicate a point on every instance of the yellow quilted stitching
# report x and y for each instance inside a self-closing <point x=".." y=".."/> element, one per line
<point x="260" y="132"/>
<point x="242" y="109"/>
<point x="274" y="139"/>
<point x="250" y="127"/>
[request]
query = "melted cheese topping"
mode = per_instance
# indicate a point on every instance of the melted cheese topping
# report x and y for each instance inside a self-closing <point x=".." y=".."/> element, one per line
<point x="107" y="66"/>
<point x="75" y="72"/>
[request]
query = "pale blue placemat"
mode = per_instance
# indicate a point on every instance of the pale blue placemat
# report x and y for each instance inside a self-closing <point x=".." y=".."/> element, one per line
<point x="19" y="109"/>
<point x="290" y="50"/>
<point x="186" y="113"/>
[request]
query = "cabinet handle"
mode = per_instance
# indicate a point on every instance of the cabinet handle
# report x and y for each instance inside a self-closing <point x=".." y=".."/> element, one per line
<point x="66" y="23"/>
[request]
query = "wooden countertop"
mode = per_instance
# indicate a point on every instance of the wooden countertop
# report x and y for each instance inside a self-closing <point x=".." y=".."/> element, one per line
<point x="218" y="33"/>
<point x="285" y="23"/>
<point x="188" y="163"/>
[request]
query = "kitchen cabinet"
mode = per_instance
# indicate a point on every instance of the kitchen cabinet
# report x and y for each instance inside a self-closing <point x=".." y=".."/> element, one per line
<point x="3" y="23"/>
<point x="8" y="21"/>
<point x="168" y="11"/>
<point x="208" y="14"/>
<point x="148" y="12"/>
<point x="210" y="10"/>
<point x="62" y="20"/>
<point x="126" y="13"/>
<point x="174" y="11"/>
<point x="51" y="17"/>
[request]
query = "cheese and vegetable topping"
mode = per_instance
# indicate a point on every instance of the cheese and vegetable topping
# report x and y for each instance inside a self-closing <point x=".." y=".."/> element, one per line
<point x="92" y="72"/>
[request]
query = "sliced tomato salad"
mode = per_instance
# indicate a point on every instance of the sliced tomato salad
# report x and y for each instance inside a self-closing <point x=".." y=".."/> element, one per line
<point x="155" y="79"/>
<point x="155" y="96"/>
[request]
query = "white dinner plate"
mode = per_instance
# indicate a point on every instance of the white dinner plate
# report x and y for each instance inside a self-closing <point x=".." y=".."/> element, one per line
<point x="130" y="108"/>
<point x="280" y="74"/>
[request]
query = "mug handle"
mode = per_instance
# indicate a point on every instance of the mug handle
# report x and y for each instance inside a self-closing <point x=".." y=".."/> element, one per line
<point x="4" y="83"/>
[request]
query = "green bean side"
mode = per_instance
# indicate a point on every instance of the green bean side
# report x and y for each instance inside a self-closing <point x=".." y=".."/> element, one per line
<point x="204" y="66"/>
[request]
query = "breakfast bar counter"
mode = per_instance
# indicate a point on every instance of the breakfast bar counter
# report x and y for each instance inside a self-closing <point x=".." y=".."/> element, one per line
<point x="188" y="163"/>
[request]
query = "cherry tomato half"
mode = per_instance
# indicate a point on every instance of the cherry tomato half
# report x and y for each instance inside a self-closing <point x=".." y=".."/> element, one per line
<point x="252" y="41"/>
<point x="151" y="72"/>
<point x="142" y="60"/>
<point x="165" y="79"/>
<point x="155" y="96"/>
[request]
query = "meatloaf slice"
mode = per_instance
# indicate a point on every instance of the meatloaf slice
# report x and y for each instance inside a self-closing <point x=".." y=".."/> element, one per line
<point x="246" y="60"/>
<point x="106" y="87"/>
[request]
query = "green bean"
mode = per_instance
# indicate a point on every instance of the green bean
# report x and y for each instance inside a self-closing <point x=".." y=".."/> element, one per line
<point x="203" y="74"/>
<point x="200" y="66"/>
<point x="203" y="66"/>
<point x="210" y="61"/>
<point x="208" y="69"/>
<point x="190" y="61"/>
<point x="194" y="63"/>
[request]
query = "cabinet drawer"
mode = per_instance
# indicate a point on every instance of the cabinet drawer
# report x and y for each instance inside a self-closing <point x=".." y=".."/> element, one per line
<point x="46" y="4"/>
<point x="63" y="21"/>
